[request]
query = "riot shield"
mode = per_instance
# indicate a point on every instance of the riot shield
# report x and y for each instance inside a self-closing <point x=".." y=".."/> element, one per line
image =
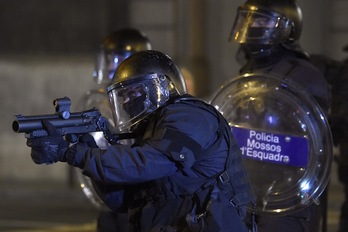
<point x="284" y="137"/>
<point x="97" y="98"/>
<point x="94" y="98"/>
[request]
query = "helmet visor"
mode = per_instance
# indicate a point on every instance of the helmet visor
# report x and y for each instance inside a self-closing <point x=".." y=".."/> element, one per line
<point x="260" y="28"/>
<point x="134" y="99"/>
<point x="106" y="64"/>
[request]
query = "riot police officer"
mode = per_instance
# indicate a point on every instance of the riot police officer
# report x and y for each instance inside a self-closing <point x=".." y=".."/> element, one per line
<point x="184" y="171"/>
<point x="115" y="48"/>
<point x="268" y="33"/>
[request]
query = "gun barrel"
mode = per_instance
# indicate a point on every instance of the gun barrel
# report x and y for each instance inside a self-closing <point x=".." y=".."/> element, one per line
<point x="27" y="124"/>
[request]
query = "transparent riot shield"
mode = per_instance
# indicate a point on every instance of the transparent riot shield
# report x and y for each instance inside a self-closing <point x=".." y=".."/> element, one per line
<point x="284" y="137"/>
<point x="94" y="98"/>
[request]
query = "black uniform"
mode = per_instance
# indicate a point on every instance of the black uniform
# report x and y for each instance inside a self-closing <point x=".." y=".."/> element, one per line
<point x="184" y="174"/>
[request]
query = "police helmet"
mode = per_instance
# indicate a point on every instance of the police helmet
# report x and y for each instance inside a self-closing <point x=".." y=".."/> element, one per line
<point x="116" y="47"/>
<point x="142" y="83"/>
<point x="267" y="22"/>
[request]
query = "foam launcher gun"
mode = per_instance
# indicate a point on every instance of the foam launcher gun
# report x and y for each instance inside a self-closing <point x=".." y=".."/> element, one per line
<point x="71" y="125"/>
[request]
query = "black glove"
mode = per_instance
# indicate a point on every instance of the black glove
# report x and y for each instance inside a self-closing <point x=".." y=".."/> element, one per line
<point x="50" y="149"/>
<point x="88" y="139"/>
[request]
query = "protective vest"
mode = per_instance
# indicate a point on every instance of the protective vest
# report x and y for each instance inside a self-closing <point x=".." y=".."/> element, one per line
<point x="233" y="180"/>
<point x="231" y="183"/>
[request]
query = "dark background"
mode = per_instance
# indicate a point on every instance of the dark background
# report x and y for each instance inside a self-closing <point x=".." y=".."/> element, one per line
<point x="60" y="27"/>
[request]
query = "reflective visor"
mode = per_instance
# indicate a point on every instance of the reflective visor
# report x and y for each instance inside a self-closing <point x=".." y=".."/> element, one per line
<point x="259" y="28"/>
<point x="132" y="100"/>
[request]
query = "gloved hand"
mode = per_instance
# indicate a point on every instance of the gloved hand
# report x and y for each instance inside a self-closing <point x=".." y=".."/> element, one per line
<point x="50" y="149"/>
<point x="88" y="139"/>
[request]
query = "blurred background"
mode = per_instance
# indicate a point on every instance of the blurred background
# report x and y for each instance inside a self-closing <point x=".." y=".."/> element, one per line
<point x="48" y="50"/>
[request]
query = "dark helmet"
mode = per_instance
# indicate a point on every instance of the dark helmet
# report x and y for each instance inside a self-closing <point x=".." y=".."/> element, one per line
<point x="267" y="22"/>
<point x="142" y="83"/>
<point x="116" y="47"/>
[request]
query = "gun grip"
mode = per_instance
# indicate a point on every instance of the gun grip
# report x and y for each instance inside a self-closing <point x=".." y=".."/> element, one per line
<point x="71" y="138"/>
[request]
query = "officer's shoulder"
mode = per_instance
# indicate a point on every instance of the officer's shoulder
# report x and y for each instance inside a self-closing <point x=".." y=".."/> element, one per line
<point x="187" y="105"/>
<point x="304" y="64"/>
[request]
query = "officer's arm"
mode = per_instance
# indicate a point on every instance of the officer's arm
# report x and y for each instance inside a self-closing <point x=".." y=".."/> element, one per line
<point x="159" y="156"/>
<point x="121" y="164"/>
